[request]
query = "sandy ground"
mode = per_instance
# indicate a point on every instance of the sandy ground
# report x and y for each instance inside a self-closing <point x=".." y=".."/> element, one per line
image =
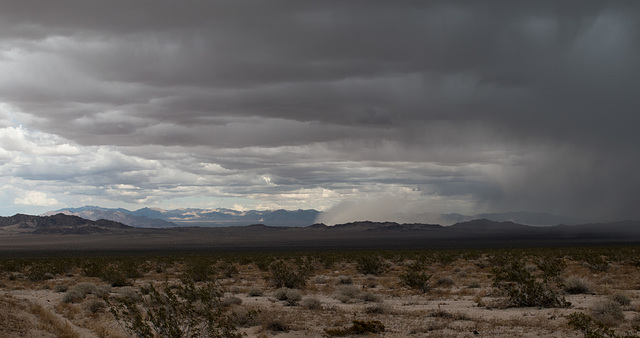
<point x="467" y="305"/>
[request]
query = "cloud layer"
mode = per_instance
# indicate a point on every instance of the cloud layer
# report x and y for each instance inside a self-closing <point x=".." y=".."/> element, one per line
<point x="443" y="106"/>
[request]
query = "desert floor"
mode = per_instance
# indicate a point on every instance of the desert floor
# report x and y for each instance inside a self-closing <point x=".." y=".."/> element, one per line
<point x="73" y="295"/>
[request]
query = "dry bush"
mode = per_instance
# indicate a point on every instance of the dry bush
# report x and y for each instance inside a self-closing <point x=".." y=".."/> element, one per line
<point x="255" y="292"/>
<point x="311" y="303"/>
<point x="370" y="297"/>
<point x="243" y="317"/>
<point x="291" y="296"/>
<point x="576" y="285"/>
<point x="621" y="298"/>
<point x="608" y="312"/>
<point x="343" y="280"/>
<point x="345" y="293"/>
<point x="378" y="309"/>
<point x="95" y="305"/>
<point x="445" y="281"/>
<point x="50" y="322"/>
<point x="231" y="300"/>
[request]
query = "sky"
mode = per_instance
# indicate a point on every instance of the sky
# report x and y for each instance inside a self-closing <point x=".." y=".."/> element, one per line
<point x="361" y="109"/>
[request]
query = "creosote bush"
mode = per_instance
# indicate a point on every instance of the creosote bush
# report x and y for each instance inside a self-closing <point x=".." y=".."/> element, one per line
<point x="523" y="288"/>
<point x="371" y="265"/>
<point x="416" y="278"/>
<point x="186" y="310"/>
<point x="285" y="274"/>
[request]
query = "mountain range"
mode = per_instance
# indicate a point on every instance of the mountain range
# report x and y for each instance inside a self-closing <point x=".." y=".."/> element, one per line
<point x="69" y="232"/>
<point x="161" y="218"/>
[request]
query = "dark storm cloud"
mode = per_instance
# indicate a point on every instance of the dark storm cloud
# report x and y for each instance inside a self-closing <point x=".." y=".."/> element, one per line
<point x="528" y="106"/>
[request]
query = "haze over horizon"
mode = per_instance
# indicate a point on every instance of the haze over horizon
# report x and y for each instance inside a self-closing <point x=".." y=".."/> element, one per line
<point x="350" y="108"/>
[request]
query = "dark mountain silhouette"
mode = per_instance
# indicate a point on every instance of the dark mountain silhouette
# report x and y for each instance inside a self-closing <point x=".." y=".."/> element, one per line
<point x="58" y="224"/>
<point x="24" y="232"/>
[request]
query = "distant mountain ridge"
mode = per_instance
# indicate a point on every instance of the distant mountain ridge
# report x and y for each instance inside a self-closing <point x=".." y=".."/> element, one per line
<point x="66" y="232"/>
<point x="160" y="218"/>
<point x="58" y="224"/>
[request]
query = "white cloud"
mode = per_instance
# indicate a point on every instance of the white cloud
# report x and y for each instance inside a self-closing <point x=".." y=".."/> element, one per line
<point x="36" y="198"/>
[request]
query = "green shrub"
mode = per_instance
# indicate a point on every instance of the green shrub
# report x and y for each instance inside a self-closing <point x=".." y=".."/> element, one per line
<point x="188" y="311"/>
<point x="371" y="265"/>
<point x="416" y="278"/>
<point x="285" y="274"/>
<point x="198" y="269"/>
<point x="523" y="289"/>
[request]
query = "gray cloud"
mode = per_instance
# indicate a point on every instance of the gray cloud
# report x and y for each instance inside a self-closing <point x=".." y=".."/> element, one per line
<point x="481" y="107"/>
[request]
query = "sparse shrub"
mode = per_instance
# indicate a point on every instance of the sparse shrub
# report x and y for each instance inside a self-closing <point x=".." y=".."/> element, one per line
<point x="95" y="305"/>
<point x="358" y="327"/>
<point x="608" y="312"/>
<point x="231" y="300"/>
<point x="344" y="280"/>
<point x="255" y="292"/>
<point x="85" y="288"/>
<point x="60" y="288"/>
<point x="590" y="327"/>
<point x="114" y="276"/>
<point x="73" y="296"/>
<point x="280" y="294"/>
<point x="284" y="274"/>
<point x="621" y="299"/>
<point x="293" y="297"/>
<point x="346" y="293"/>
<point x="597" y="263"/>
<point x="311" y="303"/>
<point x="102" y="291"/>
<point x="474" y="284"/>
<point x="320" y="280"/>
<point x="551" y="267"/>
<point x="38" y="272"/>
<point x="78" y="292"/>
<point x="130" y="294"/>
<point x="276" y="325"/>
<point x="370" y="297"/>
<point x="445" y="281"/>
<point x="198" y="269"/>
<point x="523" y="289"/>
<point x="188" y="311"/>
<point x="228" y="269"/>
<point x="243" y="317"/>
<point x="378" y="309"/>
<point x="371" y="265"/>
<point x="575" y="285"/>
<point x="416" y="278"/>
